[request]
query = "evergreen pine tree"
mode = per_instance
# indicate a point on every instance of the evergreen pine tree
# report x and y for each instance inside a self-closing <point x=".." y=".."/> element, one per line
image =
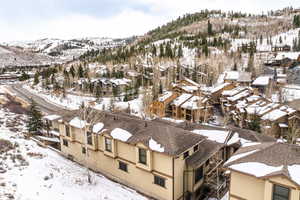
<point x="34" y="123"/>
<point x="36" y="78"/>
<point x="180" y="52"/>
<point x="161" y="51"/>
<point x="261" y="39"/>
<point x="72" y="71"/>
<point x="116" y="91"/>
<point x="160" y="88"/>
<point x="254" y="124"/>
<point x="80" y="72"/>
<point x="154" y="50"/>
<point x="205" y="50"/>
<point x="280" y="40"/>
<point x="209" y="28"/>
<point x="234" y="67"/>
<point x="126" y="98"/>
<point x="24" y="76"/>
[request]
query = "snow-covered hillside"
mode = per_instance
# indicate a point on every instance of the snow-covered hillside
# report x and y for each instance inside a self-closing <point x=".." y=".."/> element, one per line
<point x="64" y="50"/>
<point x="31" y="172"/>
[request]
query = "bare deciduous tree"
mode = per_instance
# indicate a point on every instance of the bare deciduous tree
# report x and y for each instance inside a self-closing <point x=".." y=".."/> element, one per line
<point x="293" y="132"/>
<point x="88" y="118"/>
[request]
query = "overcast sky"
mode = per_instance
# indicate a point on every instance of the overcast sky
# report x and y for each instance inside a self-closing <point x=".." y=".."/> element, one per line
<point x="36" y="19"/>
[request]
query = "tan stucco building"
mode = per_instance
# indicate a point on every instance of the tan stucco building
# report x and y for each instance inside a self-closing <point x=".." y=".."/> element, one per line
<point x="268" y="171"/>
<point x="154" y="157"/>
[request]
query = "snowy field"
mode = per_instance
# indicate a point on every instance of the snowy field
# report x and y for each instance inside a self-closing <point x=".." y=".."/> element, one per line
<point x="30" y="172"/>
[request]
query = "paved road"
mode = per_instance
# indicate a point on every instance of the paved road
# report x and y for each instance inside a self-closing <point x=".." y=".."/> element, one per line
<point x="45" y="106"/>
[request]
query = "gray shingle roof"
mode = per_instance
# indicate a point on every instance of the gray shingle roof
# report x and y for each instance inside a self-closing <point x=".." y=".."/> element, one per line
<point x="271" y="154"/>
<point x="206" y="150"/>
<point x="175" y="140"/>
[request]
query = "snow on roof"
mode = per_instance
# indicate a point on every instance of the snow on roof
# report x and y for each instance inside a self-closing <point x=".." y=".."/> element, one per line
<point x="98" y="127"/>
<point x="287" y="109"/>
<point x="53" y="132"/>
<point x="234" y="91"/>
<point x="49" y="139"/>
<point x="213" y="135"/>
<point x="248" y="144"/>
<point x="239" y="96"/>
<point x="192" y="82"/>
<point x="253" y="98"/>
<point x="194" y="103"/>
<point x="283" y="125"/>
<point x="165" y="96"/>
<point x="219" y="87"/>
<point x="181" y="99"/>
<point x="241" y="155"/>
<point x="77" y="123"/>
<point x="255" y="168"/>
<point x="234" y="139"/>
<point x="261" y="81"/>
<point x="267" y="108"/>
<point x="241" y="104"/>
<point x="290" y="55"/>
<point x="274" y="115"/>
<point x="122" y="81"/>
<point x="231" y="75"/>
<point x="253" y="108"/>
<point x="294" y="173"/>
<point x="133" y="73"/>
<point x="244" y="77"/>
<point x="120" y="134"/>
<point x="153" y="145"/>
<point x="188" y="88"/>
<point x="52" y="117"/>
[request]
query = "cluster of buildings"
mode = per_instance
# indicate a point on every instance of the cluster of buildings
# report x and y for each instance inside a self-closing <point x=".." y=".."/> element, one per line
<point x="176" y="161"/>
<point x="189" y="160"/>
<point x="186" y="101"/>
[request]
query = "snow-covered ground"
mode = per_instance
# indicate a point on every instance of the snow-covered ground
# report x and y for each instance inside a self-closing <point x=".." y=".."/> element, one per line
<point x="286" y="37"/>
<point x="71" y="102"/>
<point x="30" y="172"/>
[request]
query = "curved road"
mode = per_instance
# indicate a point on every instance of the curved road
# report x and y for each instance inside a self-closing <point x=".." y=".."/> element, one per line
<point x="44" y="105"/>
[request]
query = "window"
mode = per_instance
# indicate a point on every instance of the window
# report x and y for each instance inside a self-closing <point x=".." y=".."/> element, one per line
<point x="196" y="148"/>
<point x="207" y="162"/>
<point x="198" y="174"/>
<point x="65" y="143"/>
<point x="159" y="181"/>
<point x="123" y="166"/>
<point x="83" y="150"/>
<point x="68" y="131"/>
<point x="280" y="193"/>
<point x="56" y="129"/>
<point x="143" y="156"/>
<point x="108" y="145"/>
<point x="49" y="123"/>
<point x="89" y="138"/>
<point x="186" y="154"/>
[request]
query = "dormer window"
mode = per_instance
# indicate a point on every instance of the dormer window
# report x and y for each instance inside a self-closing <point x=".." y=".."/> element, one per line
<point x="143" y="156"/>
<point x="186" y="154"/>
<point x="108" y="144"/>
<point x="196" y="148"/>
<point x="67" y="131"/>
<point x="89" y="138"/>
<point x="280" y="193"/>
